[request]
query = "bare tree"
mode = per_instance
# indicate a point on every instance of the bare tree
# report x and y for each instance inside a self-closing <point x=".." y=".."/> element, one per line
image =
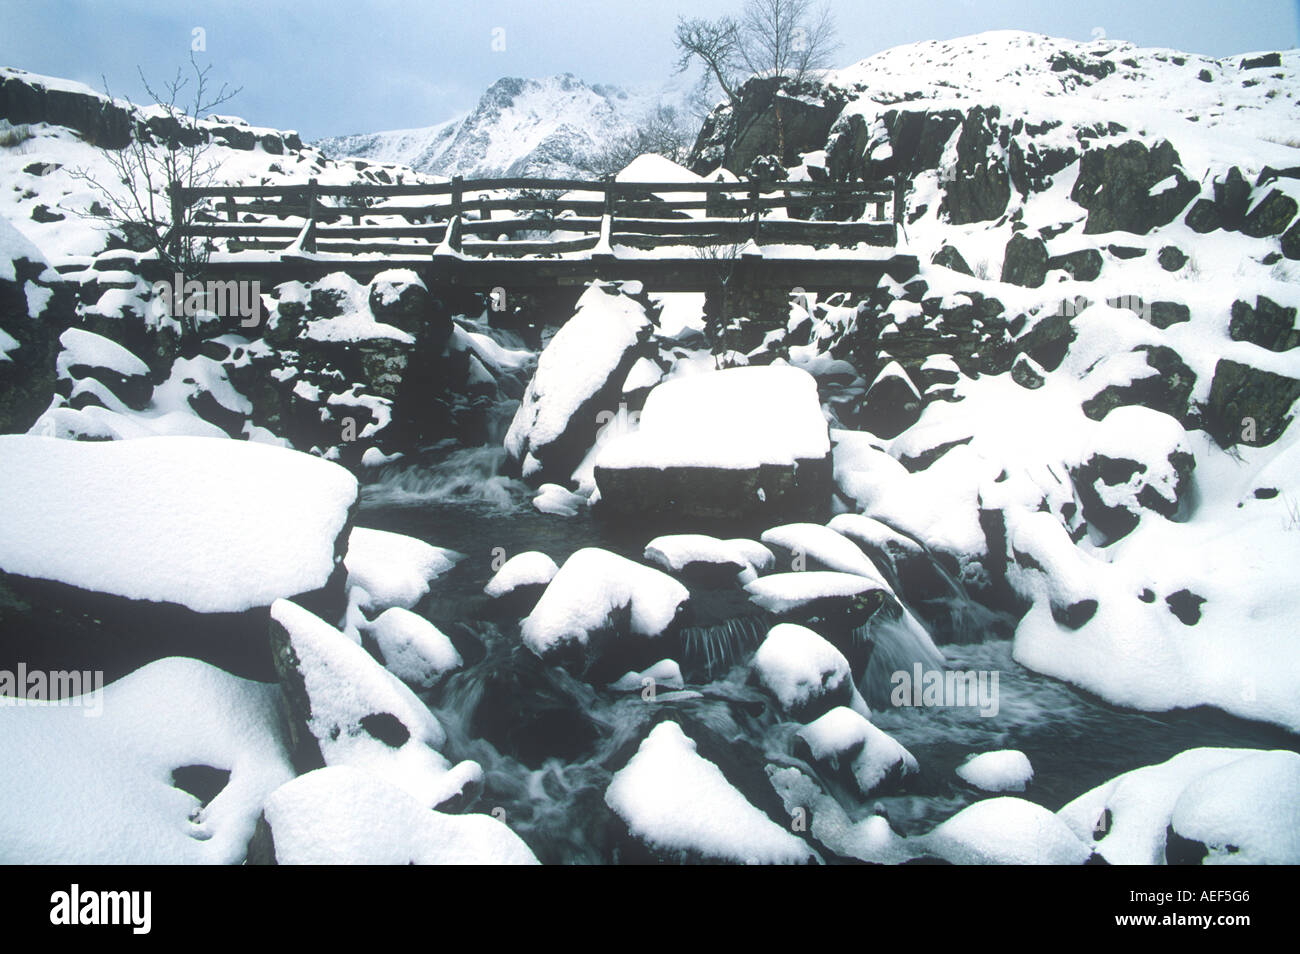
<point x="167" y="150"/>
<point x="663" y="131"/>
<point x="782" y="39"/>
<point x="716" y="44"/>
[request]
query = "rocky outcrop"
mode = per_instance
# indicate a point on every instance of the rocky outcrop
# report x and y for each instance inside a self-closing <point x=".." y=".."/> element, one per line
<point x="1118" y="186"/>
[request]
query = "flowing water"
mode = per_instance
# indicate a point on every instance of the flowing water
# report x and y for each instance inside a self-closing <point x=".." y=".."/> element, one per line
<point x="549" y="742"/>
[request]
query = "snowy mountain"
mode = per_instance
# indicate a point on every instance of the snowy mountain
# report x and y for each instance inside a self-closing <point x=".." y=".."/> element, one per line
<point x="521" y="127"/>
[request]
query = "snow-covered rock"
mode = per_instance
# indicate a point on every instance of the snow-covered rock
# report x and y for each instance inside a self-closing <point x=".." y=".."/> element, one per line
<point x="1224" y="806"/>
<point x="412" y="648"/>
<point x="807" y="675"/>
<point x="212" y="525"/>
<point x="357" y="713"/>
<point x="598" y="593"/>
<point x="742" y="442"/>
<point x="531" y="568"/>
<point x="393" y="569"/>
<point x="847" y="741"/>
<point x="342" y="815"/>
<point x="1004" y="771"/>
<point x="579" y="378"/>
<point x="1005" y="831"/>
<point x="707" y="559"/>
<point x="681" y="806"/>
<point x="106" y="790"/>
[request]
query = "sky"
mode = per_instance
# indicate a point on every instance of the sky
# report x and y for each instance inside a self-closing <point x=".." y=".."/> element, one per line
<point x="331" y="67"/>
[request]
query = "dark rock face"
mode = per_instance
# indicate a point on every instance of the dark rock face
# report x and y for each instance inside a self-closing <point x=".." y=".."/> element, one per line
<point x="1268" y="324"/>
<point x="891" y="404"/>
<point x="1171" y="258"/>
<point x="1247" y="405"/>
<point x="1270" y="216"/>
<point x="1048" y="340"/>
<point x="1264" y="61"/>
<point x="1115" y="184"/>
<point x="27" y="379"/>
<point x="1027" y="373"/>
<point x="735" y="136"/>
<point x="24" y="99"/>
<point x="1166" y="313"/>
<point x="1168" y="389"/>
<point x="1114" y="521"/>
<point x="687" y="497"/>
<point x="949" y="257"/>
<point x="981" y="186"/>
<point x="1083" y="265"/>
<point x="1025" y="262"/>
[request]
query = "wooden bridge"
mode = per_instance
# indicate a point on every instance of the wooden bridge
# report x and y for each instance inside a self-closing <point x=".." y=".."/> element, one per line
<point x="483" y="233"/>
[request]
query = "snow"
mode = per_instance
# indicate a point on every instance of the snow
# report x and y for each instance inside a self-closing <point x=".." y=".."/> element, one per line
<point x="529" y="568"/>
<point x="99" y="790"/>
<point x="783" y="592"/>
<point x="665" y="673"/>
<point x="870" y="752"/>
<point x="1005" y="771"/>
<point x="798" y="666"/>
<point x="827" y="547"/>
<point x="14" y="247"/>
<point x="575" y="366"/>
<point x="392" y="568"/>
<point x="347" y="689"/>
<point x="677" y="801"/>
<point x="414" y="650"/>
<point x="214" y="525"/>
<point x="95" y="351"/>
<point x="558" y="501"/>
<point x="588" y="589"/>
<point x="1005" y="831"/>
<point x="345" y="816"/>
<point x="1243" y="797"/>
<point x="675" y="552"/>
<point x="735" y="419"/>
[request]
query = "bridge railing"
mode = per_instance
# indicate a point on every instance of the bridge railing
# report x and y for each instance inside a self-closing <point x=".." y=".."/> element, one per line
<point x="513" y="217"/>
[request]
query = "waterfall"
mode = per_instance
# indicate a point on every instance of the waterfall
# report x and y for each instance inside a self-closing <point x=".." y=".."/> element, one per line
<point x="715" y="648"/>
<point x="470" y="475"/>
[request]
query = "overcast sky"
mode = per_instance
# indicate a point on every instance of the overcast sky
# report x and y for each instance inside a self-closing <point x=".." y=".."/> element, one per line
<point x="339" y="66"/>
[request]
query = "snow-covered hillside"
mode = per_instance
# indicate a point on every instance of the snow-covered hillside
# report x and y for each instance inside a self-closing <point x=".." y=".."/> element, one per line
<point x="555" y="126"/>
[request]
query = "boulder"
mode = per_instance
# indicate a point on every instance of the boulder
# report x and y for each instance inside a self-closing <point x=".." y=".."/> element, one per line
<point x="892" y="403"/>
<point x="1249" y="405"/>
<point x="579" y="379"/>
<point x="1118" y="186"/>
<point x="731" y="445"/>
<point x="1268" y="324"/>
<point x="117" y="553"/>
<point x="1025" y="262"/>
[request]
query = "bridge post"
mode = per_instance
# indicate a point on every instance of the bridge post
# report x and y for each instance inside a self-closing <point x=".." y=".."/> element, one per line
<point x="178" y="219"/>
<point x="453" y="220"/>
<point x="309" y="240"/>
<point x="754" y="198"/>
